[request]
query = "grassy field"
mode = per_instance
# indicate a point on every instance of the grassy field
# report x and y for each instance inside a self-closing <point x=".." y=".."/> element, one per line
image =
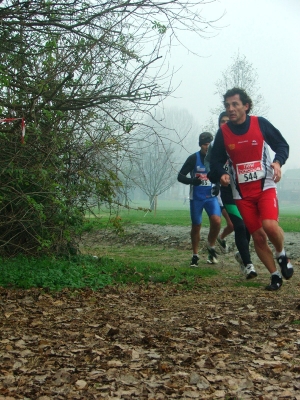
<point x="176" y="213"/>
<point x="122" y="266"/>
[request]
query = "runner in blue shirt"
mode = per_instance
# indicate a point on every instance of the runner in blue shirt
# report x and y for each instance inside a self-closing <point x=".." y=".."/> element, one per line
<point x="201" y="197"/>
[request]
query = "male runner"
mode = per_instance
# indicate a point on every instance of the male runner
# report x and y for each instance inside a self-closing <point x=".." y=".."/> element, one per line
<point x="201" y="197"/>
<point x="241" y="234"/>
<point x="253" y="176"/>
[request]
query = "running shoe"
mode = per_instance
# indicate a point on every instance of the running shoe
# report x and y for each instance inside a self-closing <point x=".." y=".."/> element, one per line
<point x="276" y="283"/>
<point x="286" y="267"/>
<point x="212" y="256"/>
<point x="194" y="262"/>
<point x="249" y="271"/>
<point x="223" y="245"/>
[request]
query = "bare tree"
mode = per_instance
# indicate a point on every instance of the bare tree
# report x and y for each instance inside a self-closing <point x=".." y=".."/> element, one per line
<point x="163" y="145"/>
<point x="177" y="126"/>
<point x="154" y="170"/>
<point x="242" y="74"/>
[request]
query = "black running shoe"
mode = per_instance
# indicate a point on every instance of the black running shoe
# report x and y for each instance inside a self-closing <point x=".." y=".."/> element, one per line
<point x="194" y="262"/>
<point x="212" y="256"/>
<point x="286" y="267"/>
<point x="276" y="283"/>
<point x="223" y="245"/>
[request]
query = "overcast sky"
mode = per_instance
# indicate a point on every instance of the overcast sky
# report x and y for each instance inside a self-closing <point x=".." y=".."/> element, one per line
<point x="267" y="32"/>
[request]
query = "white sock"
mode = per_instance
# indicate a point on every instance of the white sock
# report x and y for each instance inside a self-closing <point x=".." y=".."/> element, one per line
<point x="277" y="273"/>
<point x="282" y="253"/>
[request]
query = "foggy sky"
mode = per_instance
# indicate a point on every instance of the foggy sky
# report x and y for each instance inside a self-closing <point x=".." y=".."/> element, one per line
<point x="267" y="32"/>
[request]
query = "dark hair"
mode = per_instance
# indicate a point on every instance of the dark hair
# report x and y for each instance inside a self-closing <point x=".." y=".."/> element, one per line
<point x="223" y="114"/>
<point x="243" y="96"/>
<point x="205" y="137"/>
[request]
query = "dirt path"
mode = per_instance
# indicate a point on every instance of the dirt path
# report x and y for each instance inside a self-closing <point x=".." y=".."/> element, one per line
<point x="153" y="341"/>
<point x="176" y="237"/>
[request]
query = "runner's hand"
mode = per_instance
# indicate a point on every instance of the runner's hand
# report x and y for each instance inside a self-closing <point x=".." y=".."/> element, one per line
<point x="225" y="180"/>
<point x="277" y="171"/>
<point x="196" y="181"/>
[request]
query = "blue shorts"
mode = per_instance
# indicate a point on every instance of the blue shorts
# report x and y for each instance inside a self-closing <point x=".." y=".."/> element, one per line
<point x="210" y="205"/>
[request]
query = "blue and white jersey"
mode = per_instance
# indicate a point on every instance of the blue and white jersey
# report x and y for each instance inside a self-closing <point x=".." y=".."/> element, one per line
<point x="202" y="191"/>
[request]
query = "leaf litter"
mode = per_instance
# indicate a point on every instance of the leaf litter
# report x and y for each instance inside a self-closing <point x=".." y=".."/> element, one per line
<point x="152" y="341"/>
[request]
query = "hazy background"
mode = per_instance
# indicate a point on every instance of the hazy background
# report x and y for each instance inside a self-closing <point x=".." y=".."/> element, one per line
<point x="267" y="32"/>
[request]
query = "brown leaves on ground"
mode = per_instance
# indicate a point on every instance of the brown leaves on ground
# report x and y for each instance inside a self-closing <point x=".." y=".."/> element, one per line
<point x="154" y="341"/>
<point x="150" y="342"/>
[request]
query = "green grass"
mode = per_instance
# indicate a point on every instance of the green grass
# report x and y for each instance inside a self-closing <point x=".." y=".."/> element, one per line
<point x="54" y="274"/>
<point x="130" y="265"/>
<point x="134" y="217"/>
<point x="95" y="273"/>
<point x="249" y="284"/>
<point x="288" y="222"/>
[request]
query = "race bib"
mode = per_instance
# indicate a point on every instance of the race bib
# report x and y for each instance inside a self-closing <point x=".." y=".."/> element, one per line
<point x="204" y="180"/>
<point x="250" y="171"/>
<point x="226" y="166"/>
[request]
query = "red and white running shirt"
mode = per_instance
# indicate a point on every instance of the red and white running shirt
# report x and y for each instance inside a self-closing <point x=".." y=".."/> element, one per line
<point x="249" y="161"/>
